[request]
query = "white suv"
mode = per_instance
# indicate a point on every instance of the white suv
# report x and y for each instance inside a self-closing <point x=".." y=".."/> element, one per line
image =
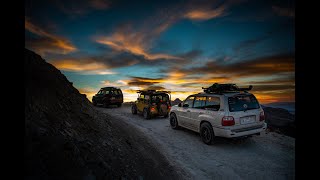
<point x="228" y="115"/>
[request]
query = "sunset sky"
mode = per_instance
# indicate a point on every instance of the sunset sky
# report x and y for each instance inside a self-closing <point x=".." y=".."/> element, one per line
<point x="179" y="46"/>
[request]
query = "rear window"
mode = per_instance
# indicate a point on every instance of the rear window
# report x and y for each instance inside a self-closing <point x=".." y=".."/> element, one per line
<point x="160" y="98"/>
<point x="242" y="103"/>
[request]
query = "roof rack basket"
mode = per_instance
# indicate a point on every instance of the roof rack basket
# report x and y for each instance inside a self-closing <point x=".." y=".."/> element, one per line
<point x="152" y="91"/>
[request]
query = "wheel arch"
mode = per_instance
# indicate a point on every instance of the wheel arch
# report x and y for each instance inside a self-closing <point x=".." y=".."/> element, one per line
<point x="205" y="121"/>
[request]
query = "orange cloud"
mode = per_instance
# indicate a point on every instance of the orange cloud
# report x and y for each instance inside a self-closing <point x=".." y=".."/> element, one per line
<point x="139" y="41"/>
<point x="82" y="66"/>
<point x="47" y="42"/>
<point x="205" y="14"/>
<point x="133" y="44"/>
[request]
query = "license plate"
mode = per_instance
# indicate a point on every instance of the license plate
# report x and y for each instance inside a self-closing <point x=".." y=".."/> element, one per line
<point x="247" y="119"/>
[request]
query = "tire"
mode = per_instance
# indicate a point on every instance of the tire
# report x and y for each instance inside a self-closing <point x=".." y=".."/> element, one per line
<point x="206" y="133"/>
<point x="134" y="109"/>
<point x="146" y="113"/>
<point x="174" y="121"/>
<point x="119" y="105"/>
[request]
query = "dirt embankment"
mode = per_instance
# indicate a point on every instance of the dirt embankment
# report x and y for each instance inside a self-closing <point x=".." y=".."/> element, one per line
<point x="66" y="138"/>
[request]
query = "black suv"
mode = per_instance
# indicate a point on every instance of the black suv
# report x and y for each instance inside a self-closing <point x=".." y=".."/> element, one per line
<point x="108" y="96"/>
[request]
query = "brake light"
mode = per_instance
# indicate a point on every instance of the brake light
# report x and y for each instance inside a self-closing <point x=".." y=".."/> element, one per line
<point x="262" y="116"/>
<point x="169" y="107"/>
<point x="152" y="109"/>
<point x="227" y="121"/>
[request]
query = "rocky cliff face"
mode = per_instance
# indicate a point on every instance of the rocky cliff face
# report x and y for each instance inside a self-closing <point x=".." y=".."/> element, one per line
<point x="65" y="137"/>
<point x="280" y="120"/>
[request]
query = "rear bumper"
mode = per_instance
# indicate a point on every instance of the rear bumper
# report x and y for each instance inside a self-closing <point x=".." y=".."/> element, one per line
<point x="223" y="132"/>
<point x="115" y="101"/>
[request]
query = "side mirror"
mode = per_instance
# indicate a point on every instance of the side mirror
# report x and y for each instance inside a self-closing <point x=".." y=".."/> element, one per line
<point x="179" y="105"/>
<point x="185" y="105"/>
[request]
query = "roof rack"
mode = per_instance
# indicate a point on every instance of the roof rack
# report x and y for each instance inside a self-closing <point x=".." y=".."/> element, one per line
<point x="152" y="91"/>
<point x="110" y="87"/>
<point x="217" y="88"/>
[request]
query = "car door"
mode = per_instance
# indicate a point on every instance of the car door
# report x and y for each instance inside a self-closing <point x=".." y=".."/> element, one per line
<point x="196" y="112"/>
<point x="99" y="96"/>
<point x="213" y="110"/>
<point x="184" y="113"/>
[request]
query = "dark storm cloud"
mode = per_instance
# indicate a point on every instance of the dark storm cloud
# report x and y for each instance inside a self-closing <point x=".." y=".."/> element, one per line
<point x="282" y="11"/>
<point x="81" y="7"/>
<point x="273" y="87"/>
<point x="192" y="54"/>
<point x="285" y="79"/>
<point x="153" y="87"/>
<point x="262" y="66"/>
<point x="247" y="44"/>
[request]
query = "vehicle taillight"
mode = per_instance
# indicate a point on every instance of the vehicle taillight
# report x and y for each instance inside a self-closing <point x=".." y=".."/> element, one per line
<point x="152" y="109"/>
<point x="262" y="117"/>
<point x="227" y="121"/>
<point x="169" y="107"/>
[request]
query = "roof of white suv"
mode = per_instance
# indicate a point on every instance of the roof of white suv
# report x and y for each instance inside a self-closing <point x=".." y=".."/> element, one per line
<point x="223" y="94"/>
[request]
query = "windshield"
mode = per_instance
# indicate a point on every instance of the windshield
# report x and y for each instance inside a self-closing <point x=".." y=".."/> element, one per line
<point x="242" y="103"/>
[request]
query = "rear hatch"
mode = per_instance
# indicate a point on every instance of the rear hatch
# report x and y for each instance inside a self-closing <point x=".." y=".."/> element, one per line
<point x="117" y="96"/>
<point x="245" y="110"/>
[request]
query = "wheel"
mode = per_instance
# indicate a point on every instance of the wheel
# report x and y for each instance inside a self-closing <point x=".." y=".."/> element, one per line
<point x="105" y="104"/>
<point x="206" y="133"/>
<point x="134" y="109"/>
<point x="119" y="105"/>
<point x="174" y="121"/>
<point x="146" y="113"/>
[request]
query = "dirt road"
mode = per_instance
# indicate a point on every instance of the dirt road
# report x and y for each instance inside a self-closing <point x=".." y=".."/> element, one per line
<point x="268" y="156"/>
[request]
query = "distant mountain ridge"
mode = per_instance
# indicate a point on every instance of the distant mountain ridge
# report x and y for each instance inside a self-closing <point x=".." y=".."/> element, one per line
<point x="290" y="106"/>
<point x="176" y="101"/>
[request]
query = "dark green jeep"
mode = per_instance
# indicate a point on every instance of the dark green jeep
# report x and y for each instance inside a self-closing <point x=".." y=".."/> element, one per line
<point x="108" y="96"/>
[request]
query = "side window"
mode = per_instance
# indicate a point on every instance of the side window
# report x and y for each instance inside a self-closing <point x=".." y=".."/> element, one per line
<point x="188" y="102"/>
<point x="106" y="92"/>
<point x="119" y="92"/>
<point x="100" y="92"/>
<point x="213" y="103"/>
<point x="199" y="102"/>
<point x="115" y="92"/>
<point x="142" y="96"/>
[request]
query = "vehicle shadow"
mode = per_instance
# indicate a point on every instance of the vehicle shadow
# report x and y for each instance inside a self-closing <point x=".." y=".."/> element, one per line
<point x="221" y="141"/>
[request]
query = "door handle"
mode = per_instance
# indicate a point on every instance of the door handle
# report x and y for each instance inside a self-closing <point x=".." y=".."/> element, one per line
<point x="188" y="111"/>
